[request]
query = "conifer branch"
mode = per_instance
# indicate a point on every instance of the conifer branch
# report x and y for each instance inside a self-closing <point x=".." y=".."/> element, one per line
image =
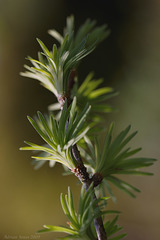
<point x="66" y="138"/>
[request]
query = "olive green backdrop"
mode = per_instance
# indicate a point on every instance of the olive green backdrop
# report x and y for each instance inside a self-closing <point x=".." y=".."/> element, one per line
<point x="129" y="60"/>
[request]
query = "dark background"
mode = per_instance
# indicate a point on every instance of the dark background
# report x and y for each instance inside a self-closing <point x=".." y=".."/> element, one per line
<point x="129" y="61"/>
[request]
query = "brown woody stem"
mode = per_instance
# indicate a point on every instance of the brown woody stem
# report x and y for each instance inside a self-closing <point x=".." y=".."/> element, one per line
<point x="80" y="171"/>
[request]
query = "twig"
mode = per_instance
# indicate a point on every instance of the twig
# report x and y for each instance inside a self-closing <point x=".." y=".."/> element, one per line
<point x="80" y="171"/>
<point x="83" y="176"/>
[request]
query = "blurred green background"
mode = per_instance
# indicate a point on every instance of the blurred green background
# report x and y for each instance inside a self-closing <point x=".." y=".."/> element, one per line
<point x="129" y="61"/>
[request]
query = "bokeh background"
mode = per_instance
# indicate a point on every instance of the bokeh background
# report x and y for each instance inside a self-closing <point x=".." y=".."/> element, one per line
<point x="129" y="61"/>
